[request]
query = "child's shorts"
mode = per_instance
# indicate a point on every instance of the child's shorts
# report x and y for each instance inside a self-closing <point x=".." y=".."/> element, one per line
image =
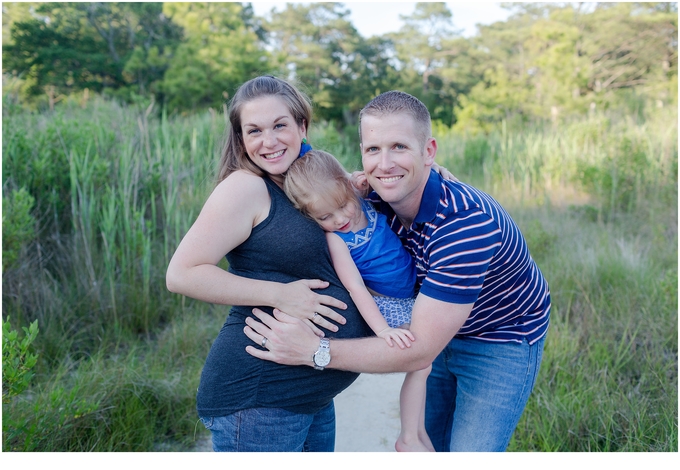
<point x="396" y="311"/>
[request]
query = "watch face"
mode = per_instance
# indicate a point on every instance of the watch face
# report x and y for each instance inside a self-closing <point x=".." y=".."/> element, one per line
<point x="322" y="358"/>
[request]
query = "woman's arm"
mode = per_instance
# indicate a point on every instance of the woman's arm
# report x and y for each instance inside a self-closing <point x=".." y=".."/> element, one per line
<point x="236" y="205"/>
<point x="351" y="278"/>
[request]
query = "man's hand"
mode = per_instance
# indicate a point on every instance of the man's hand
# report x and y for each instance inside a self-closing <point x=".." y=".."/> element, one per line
<point x="289" y="340"/>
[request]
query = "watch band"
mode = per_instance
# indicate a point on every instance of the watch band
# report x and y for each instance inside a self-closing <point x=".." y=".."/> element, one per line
<point x="322" y="357"/>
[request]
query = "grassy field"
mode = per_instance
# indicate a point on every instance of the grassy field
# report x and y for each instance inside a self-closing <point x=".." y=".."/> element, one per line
<point x="599" y="212"/>
<point x="95" y="200"/>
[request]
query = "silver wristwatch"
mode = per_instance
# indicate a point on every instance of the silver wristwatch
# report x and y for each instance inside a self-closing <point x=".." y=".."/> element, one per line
<point x="322" y="357"/>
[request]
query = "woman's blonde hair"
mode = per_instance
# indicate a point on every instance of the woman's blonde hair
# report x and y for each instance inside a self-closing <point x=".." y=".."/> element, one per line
<point x="318" y="175"/>
<point x="234" y="155"/>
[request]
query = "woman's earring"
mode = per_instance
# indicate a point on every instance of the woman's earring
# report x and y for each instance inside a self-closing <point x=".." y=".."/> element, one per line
<point x="305" y="147"/>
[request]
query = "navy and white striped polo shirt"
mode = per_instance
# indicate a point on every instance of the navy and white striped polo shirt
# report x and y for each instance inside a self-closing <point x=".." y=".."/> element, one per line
<point x="468" y="249"/>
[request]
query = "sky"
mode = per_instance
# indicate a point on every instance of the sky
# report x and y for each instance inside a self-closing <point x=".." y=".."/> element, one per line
<point x="377" y="18"/>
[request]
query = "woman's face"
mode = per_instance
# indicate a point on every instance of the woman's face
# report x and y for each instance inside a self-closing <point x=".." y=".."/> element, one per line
<point x="271" y="136"/>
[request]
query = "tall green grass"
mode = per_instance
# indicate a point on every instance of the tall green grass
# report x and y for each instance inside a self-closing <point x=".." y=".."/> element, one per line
<point x="597" y="201"/>
<point x="113" y="189"/>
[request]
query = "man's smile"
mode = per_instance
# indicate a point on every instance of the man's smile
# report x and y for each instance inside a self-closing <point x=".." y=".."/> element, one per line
<point x="389" y="179"/>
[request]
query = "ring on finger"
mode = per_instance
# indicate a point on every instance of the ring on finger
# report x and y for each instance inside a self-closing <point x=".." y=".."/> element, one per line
<point x="314" y="316"/>
<point x="264" y="342"/>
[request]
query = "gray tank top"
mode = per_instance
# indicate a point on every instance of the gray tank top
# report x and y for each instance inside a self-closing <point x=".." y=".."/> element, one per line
<point x="285" y="247"/>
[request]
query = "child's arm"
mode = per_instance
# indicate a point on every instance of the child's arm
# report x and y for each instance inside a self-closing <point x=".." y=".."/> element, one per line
<point x="351" y="279"/>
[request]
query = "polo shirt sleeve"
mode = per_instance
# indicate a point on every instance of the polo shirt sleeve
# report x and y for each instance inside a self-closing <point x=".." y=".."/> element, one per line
<point x="458" y="255"/>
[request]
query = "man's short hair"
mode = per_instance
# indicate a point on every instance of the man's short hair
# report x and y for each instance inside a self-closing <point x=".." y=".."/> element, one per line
<point x="394" y="102"/>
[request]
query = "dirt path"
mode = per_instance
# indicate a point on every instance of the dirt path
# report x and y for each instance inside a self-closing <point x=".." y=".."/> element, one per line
<point x="367" y="415"/>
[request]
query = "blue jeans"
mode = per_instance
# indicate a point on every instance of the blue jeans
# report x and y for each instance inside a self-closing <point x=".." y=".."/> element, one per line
<point x="273" y="430"/>
<point x="477" y="391"/>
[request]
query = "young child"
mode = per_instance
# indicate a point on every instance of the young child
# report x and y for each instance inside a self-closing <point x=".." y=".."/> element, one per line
<point x="373" y="266"/>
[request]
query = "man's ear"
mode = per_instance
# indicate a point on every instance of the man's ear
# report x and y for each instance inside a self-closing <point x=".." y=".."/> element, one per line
<point x="430" y="151"/>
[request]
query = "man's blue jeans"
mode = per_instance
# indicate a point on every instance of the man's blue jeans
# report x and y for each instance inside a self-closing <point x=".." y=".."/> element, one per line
<point x="477" y="391"/>
<point x="273" y="430"/>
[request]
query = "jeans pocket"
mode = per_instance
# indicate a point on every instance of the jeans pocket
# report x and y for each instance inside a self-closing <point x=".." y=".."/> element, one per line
<point x="207" y="422"/>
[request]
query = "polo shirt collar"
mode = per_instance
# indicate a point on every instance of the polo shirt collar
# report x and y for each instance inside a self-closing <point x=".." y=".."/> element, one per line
<point x="430" y="200"/>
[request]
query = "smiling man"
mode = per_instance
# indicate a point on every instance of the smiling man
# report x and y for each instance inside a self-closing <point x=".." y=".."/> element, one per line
<point x="483" y="307"/>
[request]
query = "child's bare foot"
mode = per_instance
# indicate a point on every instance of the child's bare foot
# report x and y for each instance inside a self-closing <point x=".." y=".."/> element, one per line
<point x="414" y="445"/>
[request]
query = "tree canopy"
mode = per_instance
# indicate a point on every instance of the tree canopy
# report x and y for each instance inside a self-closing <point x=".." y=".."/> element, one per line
<point x="547" y="60"/>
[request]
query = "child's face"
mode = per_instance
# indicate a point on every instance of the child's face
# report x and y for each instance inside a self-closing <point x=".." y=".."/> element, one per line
<point x="337" y="217"/>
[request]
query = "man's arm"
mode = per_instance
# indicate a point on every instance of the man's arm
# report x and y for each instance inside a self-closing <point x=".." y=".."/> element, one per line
<point x="434" y="323"/>
<point x="350" y="277"/>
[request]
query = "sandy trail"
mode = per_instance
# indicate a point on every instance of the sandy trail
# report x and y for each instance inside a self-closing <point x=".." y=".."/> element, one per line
<point x="367" y="415"/>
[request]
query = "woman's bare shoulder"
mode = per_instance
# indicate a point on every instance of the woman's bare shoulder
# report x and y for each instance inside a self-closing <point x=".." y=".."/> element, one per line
<point x="242" y="195"/>
<point x="242" y="184"/>
<point x="243" y="177"/>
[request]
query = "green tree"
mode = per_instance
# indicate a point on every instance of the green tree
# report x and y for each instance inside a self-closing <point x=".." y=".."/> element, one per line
<point x="154" y="38"/>
<point x="66" y="47"/>
<point x="221" y="50"/>
<point x="319" y="47"/>
<point x="463" y="68"/>
<point x="419" y="43"/>
<point x="436" y="64"/>
<point x="505" y="69"/>
<point x="13" y="12"/>
<point x="551" y="60"/>
<point x="59" y="50"/>
<point x="632" y="45"/>
<point x="373" y="72"/>
<point x="500" y="97"/>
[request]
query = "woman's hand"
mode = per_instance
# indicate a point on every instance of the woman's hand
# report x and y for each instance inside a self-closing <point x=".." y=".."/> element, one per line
<point x="298" y="300"/>
<point x="289" y="340"/>
<point x="446" y="174"/>
<point x="400" y="336"/>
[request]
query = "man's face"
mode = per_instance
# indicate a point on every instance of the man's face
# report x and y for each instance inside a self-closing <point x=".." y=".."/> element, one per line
<point x="396" y="162"/>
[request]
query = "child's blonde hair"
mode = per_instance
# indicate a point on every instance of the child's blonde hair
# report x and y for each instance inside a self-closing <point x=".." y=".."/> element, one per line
<point x="318" y="175"/>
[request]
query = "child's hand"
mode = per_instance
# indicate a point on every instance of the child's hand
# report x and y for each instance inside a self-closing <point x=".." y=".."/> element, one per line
<point x="359" y="181"/>
<point x="446" y="174"/>
<point x="400" y="336"/>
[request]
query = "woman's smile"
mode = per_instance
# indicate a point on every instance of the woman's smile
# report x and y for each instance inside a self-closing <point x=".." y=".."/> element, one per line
<point x="272" y="156"/>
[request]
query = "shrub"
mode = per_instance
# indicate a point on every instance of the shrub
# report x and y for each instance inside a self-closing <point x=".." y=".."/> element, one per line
<point x="17" y="361"/>
<point x="18" y="225"/>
